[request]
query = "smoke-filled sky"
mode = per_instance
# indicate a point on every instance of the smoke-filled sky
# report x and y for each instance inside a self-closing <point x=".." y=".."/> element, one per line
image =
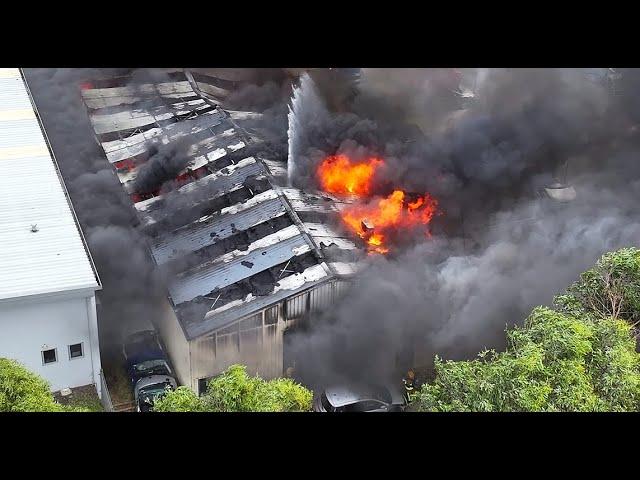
<point x="453" y="296"/>
<point x="505" y="249"/>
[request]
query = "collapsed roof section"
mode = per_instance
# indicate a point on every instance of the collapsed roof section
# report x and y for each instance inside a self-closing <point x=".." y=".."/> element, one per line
<point x="213" y="204"/>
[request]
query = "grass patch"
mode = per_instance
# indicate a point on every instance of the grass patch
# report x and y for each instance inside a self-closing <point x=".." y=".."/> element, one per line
<point x="117" y="379"/>
<point x="83" y="398"/>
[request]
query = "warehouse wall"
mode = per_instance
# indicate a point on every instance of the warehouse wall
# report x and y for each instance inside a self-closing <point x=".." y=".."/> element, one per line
<point x="257" y="341"/>
<point x="175" y="343"/>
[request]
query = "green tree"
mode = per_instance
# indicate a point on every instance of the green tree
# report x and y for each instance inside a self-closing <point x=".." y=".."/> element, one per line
<point x="24" y="391"/>
<point x="235" y="391"/>
<point x="580" y="357"/>
<point x="610" y="289"/>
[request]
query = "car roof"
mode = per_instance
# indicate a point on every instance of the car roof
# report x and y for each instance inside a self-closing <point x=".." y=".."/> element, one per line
<point x="341" y="395"/>
<point x="145" y="382"/>
<point x="140" y="336"/>
<point x="142" y="346"/>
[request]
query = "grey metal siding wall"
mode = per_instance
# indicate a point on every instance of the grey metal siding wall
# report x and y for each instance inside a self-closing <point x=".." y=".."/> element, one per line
<point x="175" y="343"/>
<point x="257" y="341"/>
<point x="249" y="342"/>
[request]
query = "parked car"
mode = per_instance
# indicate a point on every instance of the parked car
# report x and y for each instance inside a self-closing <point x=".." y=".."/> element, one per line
<point x="360" y="398"/>
<point x="149" y="389"/>
<point x="144" y="356"/>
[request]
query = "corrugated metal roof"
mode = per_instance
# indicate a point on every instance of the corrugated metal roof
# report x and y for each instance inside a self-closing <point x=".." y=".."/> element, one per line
<point x="308" y="202"/>
<point x="167" y="88"/>
<point x="205" y="247"/>
<point x="213" y="228"/>
<point x="203" y="153"/>
<point x="118" y="150"/>
<point x="229" y="313"/>
<point x="125" y="120"/>
<point x="53" y="258"/>
<point x="231" y="268"/>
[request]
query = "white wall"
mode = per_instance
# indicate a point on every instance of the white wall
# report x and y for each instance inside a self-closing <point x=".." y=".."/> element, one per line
<point x="29" y="326"/>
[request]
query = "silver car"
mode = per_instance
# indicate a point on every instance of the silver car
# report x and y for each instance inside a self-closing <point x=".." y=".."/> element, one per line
<point x="148" y="389"/>
<point x="360" y="398"/>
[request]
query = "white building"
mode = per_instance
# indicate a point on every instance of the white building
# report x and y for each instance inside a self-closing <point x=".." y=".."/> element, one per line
<point x="47" y="277"/>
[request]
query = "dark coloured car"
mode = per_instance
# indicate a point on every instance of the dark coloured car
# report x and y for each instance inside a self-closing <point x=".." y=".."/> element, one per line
<point x="144" y="356"/>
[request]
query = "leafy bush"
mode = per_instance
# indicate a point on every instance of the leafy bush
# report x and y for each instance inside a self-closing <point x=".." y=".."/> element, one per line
<point x="24" y="391"/>
<point x="182" y="399"/>
<point x="235" y="391"/>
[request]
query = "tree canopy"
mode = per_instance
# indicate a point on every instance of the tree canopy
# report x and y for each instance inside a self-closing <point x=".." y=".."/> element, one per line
<point x="235" y="391"/>
<point x="580" y="356"/>
<point x="24" y="391"/>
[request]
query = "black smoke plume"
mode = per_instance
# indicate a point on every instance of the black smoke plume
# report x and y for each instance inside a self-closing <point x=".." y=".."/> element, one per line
<point x="503" y="247"/>
<point x="165" y="162"/>
<point x="130" y="287"/>
<point x="508" y="248"/>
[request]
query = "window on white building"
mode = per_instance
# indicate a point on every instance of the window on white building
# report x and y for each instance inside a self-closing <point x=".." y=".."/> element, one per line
<point x="49" y="356"/>
<point x="76" y="351"/>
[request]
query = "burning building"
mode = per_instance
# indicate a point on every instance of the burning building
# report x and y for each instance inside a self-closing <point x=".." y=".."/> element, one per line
<point x="244" y="256"/>
<point x="205" y="175"/>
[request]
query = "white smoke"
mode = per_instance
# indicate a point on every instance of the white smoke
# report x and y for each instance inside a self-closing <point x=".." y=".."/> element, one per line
<point x="306" y="111"/>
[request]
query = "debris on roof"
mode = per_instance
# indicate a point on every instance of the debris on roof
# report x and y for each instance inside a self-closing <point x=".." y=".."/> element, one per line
<point x="233" y="240"/>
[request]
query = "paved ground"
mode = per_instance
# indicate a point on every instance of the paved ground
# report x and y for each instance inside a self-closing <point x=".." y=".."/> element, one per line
<point x="85" y="397"/>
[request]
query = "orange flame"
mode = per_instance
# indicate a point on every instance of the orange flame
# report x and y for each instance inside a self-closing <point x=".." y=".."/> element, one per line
<point x="372" y="221"/>
<point x="338" y="175"/>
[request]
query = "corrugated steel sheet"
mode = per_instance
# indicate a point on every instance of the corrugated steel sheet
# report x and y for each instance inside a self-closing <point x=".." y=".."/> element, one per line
<point x="233" y="311"/>
<point x="227" y="178"/>
<point x="308" y="202"/>
<point x="126" y="120"/>
<point x="214" y="228"/>
<point x="327" y="235"/>
<point x="277" y="169"/>
<point x="230" y="268"/>
<point x="168" y="88"/>
<point x="53" y="258"/>
<point x="118" y="150"/>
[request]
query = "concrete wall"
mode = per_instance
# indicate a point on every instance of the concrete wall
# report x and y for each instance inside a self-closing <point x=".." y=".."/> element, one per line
<point x="27" y="327"/>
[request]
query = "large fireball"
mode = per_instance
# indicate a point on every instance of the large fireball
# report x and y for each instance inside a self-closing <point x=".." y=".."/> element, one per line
<point x="373" y="219"/>
<point x="337" y="174"/>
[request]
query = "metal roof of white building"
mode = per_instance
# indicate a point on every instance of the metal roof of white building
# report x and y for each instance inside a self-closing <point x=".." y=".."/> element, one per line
<point x="54" y="258"/>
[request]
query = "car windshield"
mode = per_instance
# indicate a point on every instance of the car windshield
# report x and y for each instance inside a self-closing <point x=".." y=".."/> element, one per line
<point x="364" y="406"/>
<point x="382" y="394"/>
<point x="150" y="393"/>
<point x="151" y="365"/>
<point x="153" y="391"/>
